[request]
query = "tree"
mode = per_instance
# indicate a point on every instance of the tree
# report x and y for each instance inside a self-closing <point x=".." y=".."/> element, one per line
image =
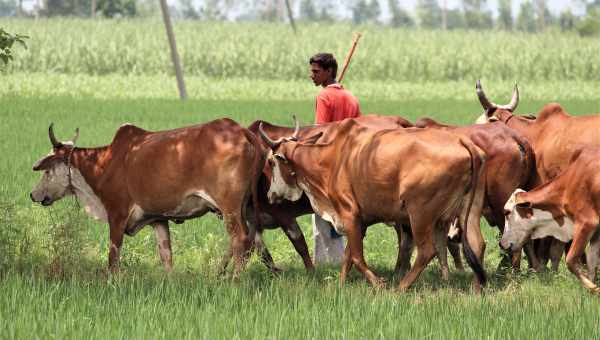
<point x="307" y="10"/>
<point x="476" y="16"/>
<point x="7" y="41"/>
<point x="505" y="19"/>
<point x="66" y="8"/>
<point x="8" y="8"/>
<point x="188" y="11"/>
<point x="117" y="8"/>
<point x="526" y="19"/>
<point x="400" y="17"/>
<point x="590" y="24"/>
<point x="360" y="12"/>
<point x="374" y="11"/>
<point x="567" y="20"/>
<point x="429" y="13"/>
<point x="455" y="19"/>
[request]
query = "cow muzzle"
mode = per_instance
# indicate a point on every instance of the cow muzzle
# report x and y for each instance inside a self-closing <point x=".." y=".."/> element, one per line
<point x="506" y="245"/>
<point x="44" y="200"/>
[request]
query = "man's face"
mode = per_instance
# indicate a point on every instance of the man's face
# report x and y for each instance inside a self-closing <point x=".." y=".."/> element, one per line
<point x="318" y="75"/>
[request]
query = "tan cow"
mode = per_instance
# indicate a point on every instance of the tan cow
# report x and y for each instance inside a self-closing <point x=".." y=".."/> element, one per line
<point x="355" y="176"/>
<point x="509" y="165"/>
<point x="144" y="178"/>
<point x="554" y="135"/>
<point x="284" y="214"/>
<point x="566" y="208"/>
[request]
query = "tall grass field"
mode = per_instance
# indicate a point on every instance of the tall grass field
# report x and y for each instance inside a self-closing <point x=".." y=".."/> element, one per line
<point x="53" y="278"/>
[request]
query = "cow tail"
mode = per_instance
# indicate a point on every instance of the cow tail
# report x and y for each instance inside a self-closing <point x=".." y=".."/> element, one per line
<point x="256" y="172"/>
<point x="477" y="162"/>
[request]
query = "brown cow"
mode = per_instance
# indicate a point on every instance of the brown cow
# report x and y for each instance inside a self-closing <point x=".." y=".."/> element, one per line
<point x="510" y="164"/>
<point x="355" y="176"/>
<point x="284" y="214"/>
<point x="147" y="177"/>
<point x="566" y="208"/>
<point x="554" y="136"/>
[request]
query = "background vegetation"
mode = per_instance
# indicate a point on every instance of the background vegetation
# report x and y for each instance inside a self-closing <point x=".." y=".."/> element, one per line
<point x="272" y="52"/>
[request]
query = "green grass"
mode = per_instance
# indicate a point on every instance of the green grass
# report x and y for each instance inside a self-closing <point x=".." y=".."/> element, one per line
<point x="142" y="302"/>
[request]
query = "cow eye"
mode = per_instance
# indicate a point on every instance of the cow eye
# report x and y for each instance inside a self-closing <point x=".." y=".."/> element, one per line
<point x="506" y="212"/>
<point x="281" y="158"/>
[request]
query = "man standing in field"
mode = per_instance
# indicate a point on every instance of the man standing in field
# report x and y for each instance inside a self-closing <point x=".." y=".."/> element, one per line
<point x="334" y="103"/>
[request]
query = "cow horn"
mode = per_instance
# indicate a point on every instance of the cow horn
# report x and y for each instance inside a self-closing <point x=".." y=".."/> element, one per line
<point x="271" y="143"/>
<point x="485" y="102"/>
<point x="76" y="136"/>
<point x="297" y="127"/>
<point x="514" y="101"/>
<point x="53" y="140"/>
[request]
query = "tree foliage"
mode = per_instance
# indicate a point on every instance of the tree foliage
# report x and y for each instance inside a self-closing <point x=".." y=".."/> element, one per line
<point x="476" y="16"/>
<point x="505" y="18"/>
<point x="400" y="17"/>
<point x="429" y="13"/>
<point x="7" y="41"/>
<point x="526" y="20"/>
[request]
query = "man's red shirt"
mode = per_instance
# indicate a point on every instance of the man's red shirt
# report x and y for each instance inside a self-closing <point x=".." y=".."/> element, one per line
<point x="335" y="103"/>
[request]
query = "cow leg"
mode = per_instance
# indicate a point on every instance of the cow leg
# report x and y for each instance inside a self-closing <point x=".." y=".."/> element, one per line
<point x="557" y="248"/>
<point x="346" y="265"/>
<point x="239" y="240"/>
<point x="542" y="251"/>
<point x="593" y="256"/>
<point x="294" y="234"/>
<point x="532" y="260"/>
<point x="163" y="243"/>
<point x="116" y="241"/>
<point x="225" y="261"/>
<point x="454" y="249"/>
<point x="405" y="249"/>
<point x="355" y="241"/>
<point x="422" y="232"/>
<point x="265" y="255"/>
<point x="583" y="233"/>
<point x="440" y="243"/>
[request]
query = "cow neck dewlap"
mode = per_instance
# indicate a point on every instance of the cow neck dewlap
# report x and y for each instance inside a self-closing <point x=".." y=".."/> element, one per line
<point x="92" y="204"/>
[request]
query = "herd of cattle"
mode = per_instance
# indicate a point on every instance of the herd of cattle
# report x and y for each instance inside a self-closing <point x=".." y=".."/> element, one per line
<point x="533" y="177"/>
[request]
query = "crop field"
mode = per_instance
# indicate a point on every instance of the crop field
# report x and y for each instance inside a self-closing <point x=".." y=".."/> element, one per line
<point x="53" y="277"/>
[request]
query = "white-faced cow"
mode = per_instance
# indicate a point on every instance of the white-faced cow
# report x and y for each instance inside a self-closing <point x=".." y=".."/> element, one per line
<point x="554" y="135"/>
<point x="284" y="213"/>
<point x="355" y="176"/>
<point x="148" y="178"/>
<point x="566" y="208"/>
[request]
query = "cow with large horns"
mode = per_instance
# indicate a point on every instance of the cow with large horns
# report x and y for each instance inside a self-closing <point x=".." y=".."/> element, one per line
<point x="554" y="135"/>
<point x="148" y="178"/>
<point x="355" y="176"/>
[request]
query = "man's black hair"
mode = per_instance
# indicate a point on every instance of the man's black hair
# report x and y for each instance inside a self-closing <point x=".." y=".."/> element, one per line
<point x="326" y="61"/>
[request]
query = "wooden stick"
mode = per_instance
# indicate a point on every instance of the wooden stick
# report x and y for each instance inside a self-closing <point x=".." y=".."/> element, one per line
<point x="357" y="36"/>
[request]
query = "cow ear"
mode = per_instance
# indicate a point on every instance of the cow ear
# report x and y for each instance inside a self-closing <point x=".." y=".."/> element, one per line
<point x="313" y="139"/>
<point x="43" y="163"/>
<point x="524" y="205"/>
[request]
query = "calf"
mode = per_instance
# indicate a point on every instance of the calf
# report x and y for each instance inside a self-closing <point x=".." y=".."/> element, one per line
<point x="566" y="208"/>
